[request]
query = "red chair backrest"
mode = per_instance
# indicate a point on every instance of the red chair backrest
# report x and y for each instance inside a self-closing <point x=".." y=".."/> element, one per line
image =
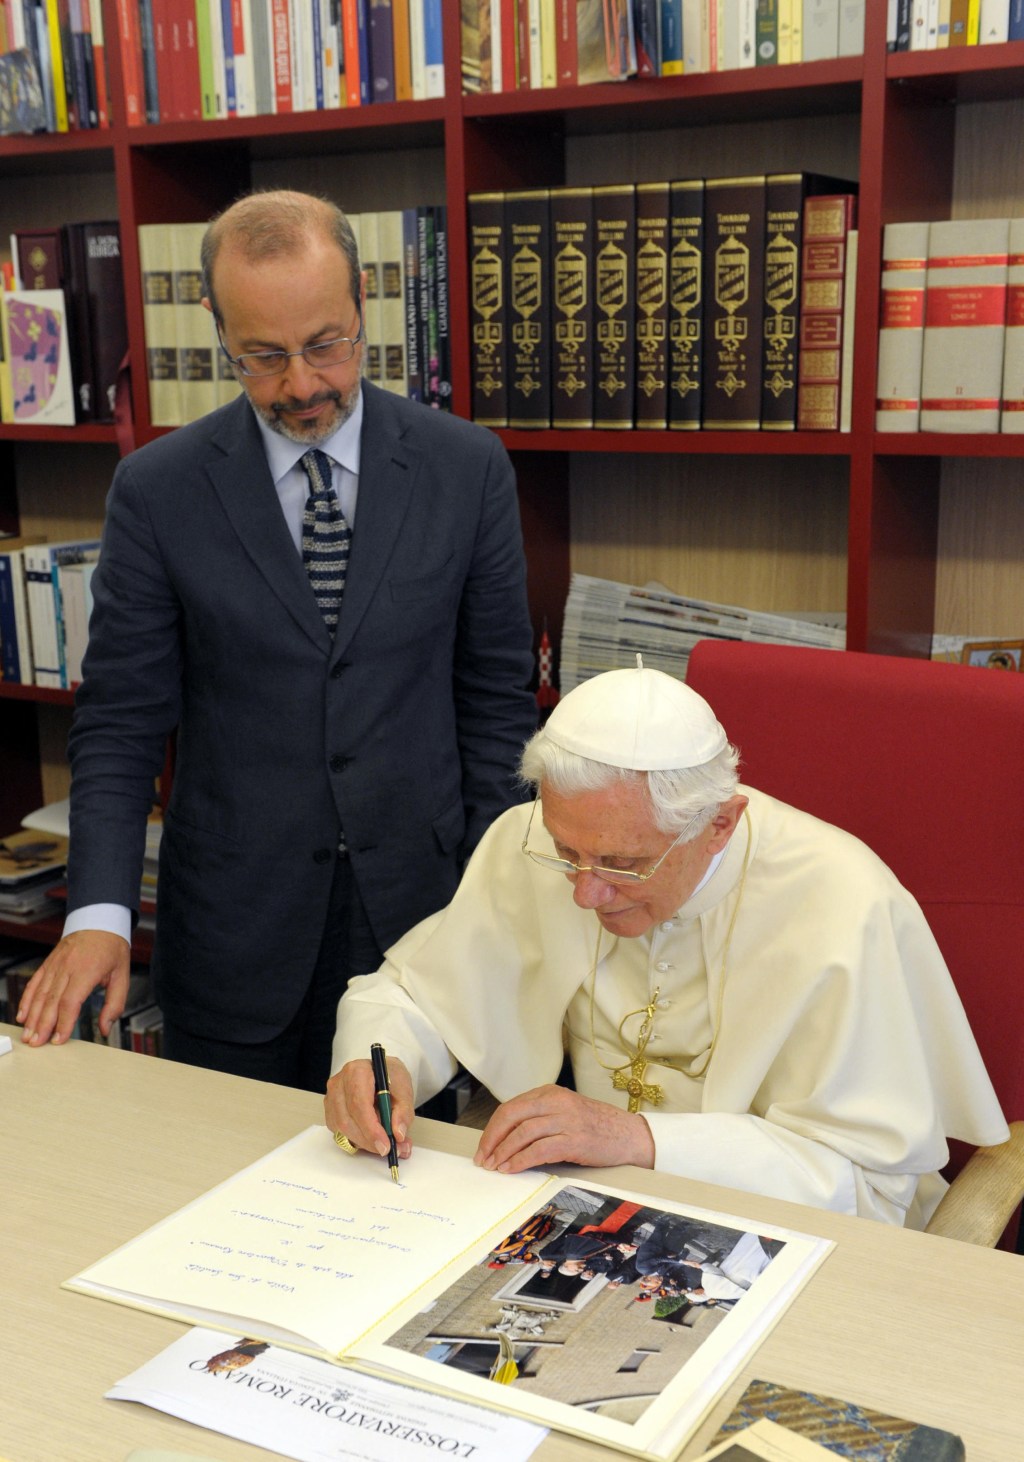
<point x="925" y="763"/>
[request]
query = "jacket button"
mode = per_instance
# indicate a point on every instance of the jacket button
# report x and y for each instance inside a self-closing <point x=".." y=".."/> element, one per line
<point x="338" y="763"/>
<point x="323" y="855"/>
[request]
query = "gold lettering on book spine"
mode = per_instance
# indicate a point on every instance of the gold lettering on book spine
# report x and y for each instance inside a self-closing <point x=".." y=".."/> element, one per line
<point x="687" y="290"/>
<point x="612" y="288"/>
<point x="487" y="297"/>
<point x="525" y="301"/>
<point x="732" y="291"/>
<point x="780" y="288"/>
<point x="570" y="295"/>
<point x="651" y="298"/>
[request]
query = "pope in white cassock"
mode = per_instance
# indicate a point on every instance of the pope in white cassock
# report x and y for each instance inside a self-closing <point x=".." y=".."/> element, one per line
<point x="747" y="995"/>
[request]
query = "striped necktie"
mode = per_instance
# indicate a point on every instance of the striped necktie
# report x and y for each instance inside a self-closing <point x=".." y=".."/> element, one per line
<point x="326" y="537"/>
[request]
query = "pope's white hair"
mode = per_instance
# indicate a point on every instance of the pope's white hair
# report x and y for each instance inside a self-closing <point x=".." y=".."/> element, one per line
<point x="680" y="797"/>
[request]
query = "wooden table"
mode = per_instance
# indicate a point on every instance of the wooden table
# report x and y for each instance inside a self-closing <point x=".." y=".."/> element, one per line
<point x="96" y="1145"/>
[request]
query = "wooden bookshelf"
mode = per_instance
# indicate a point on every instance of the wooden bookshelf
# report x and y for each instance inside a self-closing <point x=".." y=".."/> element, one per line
<point x="909" y="534"/>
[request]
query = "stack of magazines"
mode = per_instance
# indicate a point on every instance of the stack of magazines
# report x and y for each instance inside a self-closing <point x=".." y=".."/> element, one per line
<point x="607" y="624"/>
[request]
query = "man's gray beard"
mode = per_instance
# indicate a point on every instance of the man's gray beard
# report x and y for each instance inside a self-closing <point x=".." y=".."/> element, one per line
<point x="344" y="405"/>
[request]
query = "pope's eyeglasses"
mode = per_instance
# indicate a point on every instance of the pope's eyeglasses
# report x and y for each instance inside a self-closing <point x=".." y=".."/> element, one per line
<point x="609" y="875"/>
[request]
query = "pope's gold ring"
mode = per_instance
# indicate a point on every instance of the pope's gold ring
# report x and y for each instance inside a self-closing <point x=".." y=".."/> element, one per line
<point x="344" y="1143"/>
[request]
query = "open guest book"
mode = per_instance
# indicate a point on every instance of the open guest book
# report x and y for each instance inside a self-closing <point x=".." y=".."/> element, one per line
<point x="573" y="1304"/>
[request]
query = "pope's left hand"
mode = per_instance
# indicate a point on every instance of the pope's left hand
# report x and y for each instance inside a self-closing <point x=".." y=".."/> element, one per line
<point x="552" y="1124"/>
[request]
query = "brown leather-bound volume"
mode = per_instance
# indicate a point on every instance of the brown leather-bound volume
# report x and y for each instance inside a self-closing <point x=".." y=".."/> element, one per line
<point x="686" y="303"/>
<point x="528" y="231"/>
<point x="784" y="204"/>
<point x="652" y="292"/>
<point x="488" y="309"/>
<point x="827" y="221"/>
<point x="39" y="258"/>
<point x="572" y="307"/>
<point x="614" y="264"/>
<point x="734" y="302"/>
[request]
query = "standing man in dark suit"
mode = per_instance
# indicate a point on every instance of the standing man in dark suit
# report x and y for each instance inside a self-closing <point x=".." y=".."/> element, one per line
<point x="342" y="743"/>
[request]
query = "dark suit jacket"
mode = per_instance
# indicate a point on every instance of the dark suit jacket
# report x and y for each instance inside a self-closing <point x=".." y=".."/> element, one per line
<point x="405" y="732"/>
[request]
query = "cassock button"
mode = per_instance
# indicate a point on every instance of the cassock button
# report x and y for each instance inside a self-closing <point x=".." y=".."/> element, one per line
<point x="663" y="966"/>
<point x="667" y="926"/>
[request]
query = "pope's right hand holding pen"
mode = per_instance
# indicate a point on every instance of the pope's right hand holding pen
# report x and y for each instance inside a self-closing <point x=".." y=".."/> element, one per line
<point x="351" y="1108"/>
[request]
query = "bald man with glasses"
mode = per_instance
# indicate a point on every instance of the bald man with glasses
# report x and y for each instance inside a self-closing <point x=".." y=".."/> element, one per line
<point x="321" y="589"/>
<point x="746" y="995"/>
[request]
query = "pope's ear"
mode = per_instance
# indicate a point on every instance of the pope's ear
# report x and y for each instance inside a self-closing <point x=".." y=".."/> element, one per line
<point x="725" y="822"/>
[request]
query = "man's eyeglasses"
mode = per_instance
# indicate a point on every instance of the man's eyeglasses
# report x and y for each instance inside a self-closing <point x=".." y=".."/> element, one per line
<point x="273" y="362"/>
<point x="610" y="875"/>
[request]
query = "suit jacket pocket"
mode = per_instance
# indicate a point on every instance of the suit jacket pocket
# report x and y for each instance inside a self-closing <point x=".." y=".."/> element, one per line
<point x="424" y="586"/>
<point x="450" y="827"/>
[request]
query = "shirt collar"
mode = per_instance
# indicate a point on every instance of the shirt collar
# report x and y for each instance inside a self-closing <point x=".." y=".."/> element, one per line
<point x="283" y="454"/>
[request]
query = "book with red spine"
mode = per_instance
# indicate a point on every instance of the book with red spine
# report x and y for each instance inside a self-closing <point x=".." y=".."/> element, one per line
<point x="566" y="63"/>
<point x="827" y="221"/>
<point x="130" y="40"/>
<point x="1012" y="417"/>
<point x="166" y="71"/>
<point x="281" y="51"/>
<point x="510" y="61"/>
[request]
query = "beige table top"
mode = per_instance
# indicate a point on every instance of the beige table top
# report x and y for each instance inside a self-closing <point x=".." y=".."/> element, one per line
<point x="96" y="1145"/>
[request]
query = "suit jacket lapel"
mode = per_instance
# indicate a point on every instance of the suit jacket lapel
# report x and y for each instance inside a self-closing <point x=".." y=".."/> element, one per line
<point x="240" y="476"/>
<point x="387" y="472"/>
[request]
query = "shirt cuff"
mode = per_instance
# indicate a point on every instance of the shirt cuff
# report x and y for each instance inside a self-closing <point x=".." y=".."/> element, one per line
<point x="107" y="918"/>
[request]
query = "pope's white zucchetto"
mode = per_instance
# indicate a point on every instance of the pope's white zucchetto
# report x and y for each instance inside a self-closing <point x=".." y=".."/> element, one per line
<point x="641" y="719"/>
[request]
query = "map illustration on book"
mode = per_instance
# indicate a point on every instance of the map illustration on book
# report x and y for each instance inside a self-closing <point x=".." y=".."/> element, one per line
<point x="36" y="340"/>
<point x="571" y="1304"/>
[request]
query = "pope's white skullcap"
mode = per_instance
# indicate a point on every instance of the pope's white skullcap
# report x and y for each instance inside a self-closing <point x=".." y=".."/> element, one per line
<point x="641" y="719"/>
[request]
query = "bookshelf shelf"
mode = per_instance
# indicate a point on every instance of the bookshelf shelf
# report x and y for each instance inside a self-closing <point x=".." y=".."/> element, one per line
<point x="913" y="532"/>
<point x="87" y="432"/>
<point x="699" y="443"/>
<point x="11" y="690"/>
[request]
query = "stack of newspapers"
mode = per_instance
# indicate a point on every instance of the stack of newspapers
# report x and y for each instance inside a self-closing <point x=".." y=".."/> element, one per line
<point x="607" y="624"/>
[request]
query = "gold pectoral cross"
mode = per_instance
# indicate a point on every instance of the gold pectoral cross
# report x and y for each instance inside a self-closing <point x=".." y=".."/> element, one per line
<point x="639" y="1090"/>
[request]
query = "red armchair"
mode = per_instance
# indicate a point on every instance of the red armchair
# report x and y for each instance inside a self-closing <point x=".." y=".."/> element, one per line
<point x="923" y="762"/>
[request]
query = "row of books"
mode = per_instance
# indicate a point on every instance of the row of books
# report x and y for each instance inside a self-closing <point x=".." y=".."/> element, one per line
<point x="607" y="624"/>
<point x="716" y="304"/>
<point x="404" y="253"/>
<point x="951" y="342"/>
<point x="192" y="60"/>
<point x="512" y="44"/>
<point x="58" y="54"/>
<point x="66" y="334"/>
<point x="187" y="372"/>
<point x="929" y="25"/>
<point x="45" y="604"/>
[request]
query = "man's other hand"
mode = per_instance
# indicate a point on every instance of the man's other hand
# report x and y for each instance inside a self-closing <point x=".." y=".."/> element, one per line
<point x="552" y="1124"/>
<point x="55" y="994"/>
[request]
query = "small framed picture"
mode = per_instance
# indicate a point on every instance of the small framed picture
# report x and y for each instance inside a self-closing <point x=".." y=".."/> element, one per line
<point x="994" y="654"/>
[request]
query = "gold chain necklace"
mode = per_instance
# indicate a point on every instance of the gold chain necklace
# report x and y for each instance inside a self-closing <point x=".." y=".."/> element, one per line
<point x="629" y="1076"/>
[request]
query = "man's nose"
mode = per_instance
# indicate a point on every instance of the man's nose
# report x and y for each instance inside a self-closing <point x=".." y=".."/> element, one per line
<point x="300" y="379"/>
<point x="591" y="892"/>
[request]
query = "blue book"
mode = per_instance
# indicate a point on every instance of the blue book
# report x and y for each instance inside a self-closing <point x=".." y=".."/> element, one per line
<point x="1016" y="32"/>
<point x="318" y="57"/>
<point x="230" y="91"/>
<point x="363" y="31"/>
<point x="670" y="38"/>
<point x="433" y="47"/>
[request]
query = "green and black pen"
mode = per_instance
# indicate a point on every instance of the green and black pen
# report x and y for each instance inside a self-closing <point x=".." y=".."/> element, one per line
<point x="380" y="1077"/>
